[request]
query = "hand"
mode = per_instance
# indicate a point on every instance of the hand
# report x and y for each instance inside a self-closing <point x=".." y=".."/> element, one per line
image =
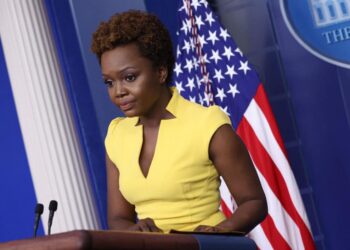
<point x="205" y="228"/>
<point x="145" y="225"/>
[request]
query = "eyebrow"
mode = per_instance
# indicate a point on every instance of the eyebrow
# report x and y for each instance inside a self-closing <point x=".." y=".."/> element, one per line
<point x="122" y="70"/>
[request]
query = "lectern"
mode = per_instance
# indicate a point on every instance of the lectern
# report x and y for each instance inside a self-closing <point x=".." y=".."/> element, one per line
<point x="121" y="240"/>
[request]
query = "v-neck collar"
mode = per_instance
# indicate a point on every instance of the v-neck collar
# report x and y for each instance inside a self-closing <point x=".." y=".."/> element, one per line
<point x="175" y="110"/>
<point x="172" y="106"/>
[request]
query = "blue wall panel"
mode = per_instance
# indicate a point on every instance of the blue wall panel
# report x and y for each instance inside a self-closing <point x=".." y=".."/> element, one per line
<point x="87" y="15"/>
<point x="321" y="107"/>
<point x="17" y="197"/>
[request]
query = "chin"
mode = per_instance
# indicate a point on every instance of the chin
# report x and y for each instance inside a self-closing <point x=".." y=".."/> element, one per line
<point x="130" y="113"/>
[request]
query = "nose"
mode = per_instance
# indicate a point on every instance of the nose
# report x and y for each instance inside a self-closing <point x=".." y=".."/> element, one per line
<point x="118" y="89"/>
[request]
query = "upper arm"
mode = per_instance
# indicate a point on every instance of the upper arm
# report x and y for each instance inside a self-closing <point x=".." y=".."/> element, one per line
<point x="118" y="206"/>
<point x="233" y="163"/>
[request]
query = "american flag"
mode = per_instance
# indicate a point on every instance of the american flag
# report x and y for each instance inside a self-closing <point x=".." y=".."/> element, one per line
<point x="210" y="69"/>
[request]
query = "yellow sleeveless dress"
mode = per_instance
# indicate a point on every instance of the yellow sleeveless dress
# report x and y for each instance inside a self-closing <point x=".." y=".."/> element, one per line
<point x="181" y="190"/>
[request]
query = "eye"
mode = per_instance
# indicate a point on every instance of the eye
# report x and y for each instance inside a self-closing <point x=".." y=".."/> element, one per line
<point x="130" y="77"/>
<point x="108" y="82"/>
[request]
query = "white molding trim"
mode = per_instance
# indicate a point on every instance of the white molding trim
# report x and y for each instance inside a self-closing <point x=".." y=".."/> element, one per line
<point x="51" y="142"/>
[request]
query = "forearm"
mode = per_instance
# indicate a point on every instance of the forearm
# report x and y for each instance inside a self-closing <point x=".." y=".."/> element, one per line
<point x="120" y="223"/>
<point x="246" y="216"/>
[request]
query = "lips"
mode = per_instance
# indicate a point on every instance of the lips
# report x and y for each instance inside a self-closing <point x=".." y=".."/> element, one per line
<point x="125" y="106"/>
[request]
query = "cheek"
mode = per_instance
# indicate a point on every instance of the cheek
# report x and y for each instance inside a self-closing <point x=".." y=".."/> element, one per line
<point x="149" y="95"/>
<point x="144" y="89"/>
<point x="111" y="94"/>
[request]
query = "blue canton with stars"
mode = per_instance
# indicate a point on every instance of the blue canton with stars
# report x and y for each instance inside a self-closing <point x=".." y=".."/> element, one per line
<point x="233" y="81"/>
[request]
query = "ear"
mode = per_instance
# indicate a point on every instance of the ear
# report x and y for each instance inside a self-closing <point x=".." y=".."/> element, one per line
<point x="163" y="74"/>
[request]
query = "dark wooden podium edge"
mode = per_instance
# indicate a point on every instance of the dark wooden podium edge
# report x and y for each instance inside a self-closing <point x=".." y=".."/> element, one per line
<point x="78" y="239"/>
<point x="85" y="239"/>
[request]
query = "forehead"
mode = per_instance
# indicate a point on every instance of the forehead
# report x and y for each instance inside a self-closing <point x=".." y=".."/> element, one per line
<point x="123" y="56"/>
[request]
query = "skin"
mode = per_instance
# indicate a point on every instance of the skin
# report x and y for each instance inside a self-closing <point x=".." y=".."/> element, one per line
<point x="138" y="88"/>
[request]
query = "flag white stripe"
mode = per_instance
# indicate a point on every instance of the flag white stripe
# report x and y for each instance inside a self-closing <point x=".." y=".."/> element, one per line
<point x="226" y="196"/>
<point x="257" y="234"/>
<point x="260" y="125"/>
<point x="284" y="223"/>
<point x="259" y="237"/>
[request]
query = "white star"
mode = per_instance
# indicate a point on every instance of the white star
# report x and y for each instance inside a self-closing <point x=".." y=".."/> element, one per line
<point x="244" y="66"/>
<point x="228" y="52"/>
<point x="198" y="81"/>
<point x="195" y="4"/>
<point x="195" y="62"/>
<point x="205" y="78"/>
<point x="189" y="25"/>
<point x="190" y="83"/>
<point x="221" y="94"/>
<point x="224" y="34"/>
<point x="202" y="40"/>
<point x="183" y="6"/>
<point x="179" y="86"/>
<point x="189" y="65"/>
<point x="178" y="51"/>
<point x="178" y="69"/>
<point x="192" y="44"/>
<point x="209" y="18"/>
<point x="215" y="56"/>
<point x="225" y="110"/>
<point x="192" y="99"/>
<point x="230" y="71"/>
<point x="218" y="75"/>
<point x="184" y="27"/>
<point x="200" y="99"/>
<point x="207" y="97"/>
<point x="205" y="59"/>
<point x="212" y="37"/>
<point x="199" y="21"/>
<point x="204" y="2"/>
<point x="186" y="47"/>
<point x="239" y="51"/>
<point x="233" y="90"/>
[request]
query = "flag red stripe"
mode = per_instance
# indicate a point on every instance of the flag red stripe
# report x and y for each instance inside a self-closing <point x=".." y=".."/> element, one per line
<point x="227" y="212"/>
<point x="275" y="238"/>
<point x="273" y="176"/>
<point x="263" y="103"/>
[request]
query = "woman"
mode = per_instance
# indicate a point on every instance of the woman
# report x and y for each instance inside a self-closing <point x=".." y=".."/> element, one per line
<point x="165" y="158"/>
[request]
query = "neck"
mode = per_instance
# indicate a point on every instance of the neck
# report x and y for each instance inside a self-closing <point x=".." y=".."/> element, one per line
<point x="158" y="111"/>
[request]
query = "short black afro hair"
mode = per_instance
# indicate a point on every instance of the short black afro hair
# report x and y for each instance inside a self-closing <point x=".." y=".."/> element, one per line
<point x="142" y="28"/>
